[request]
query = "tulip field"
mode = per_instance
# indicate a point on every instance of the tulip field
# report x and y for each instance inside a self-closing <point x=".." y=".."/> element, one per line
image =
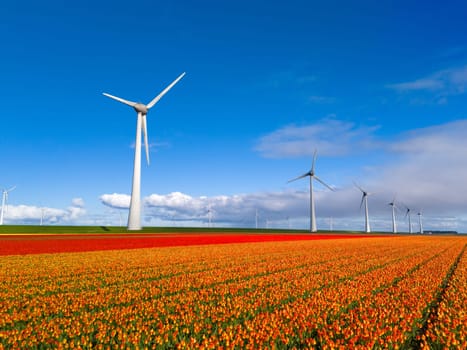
<point x="296" y="292"/>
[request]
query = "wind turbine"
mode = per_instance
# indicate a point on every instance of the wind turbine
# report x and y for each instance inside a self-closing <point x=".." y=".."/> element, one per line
<point x="42" y="215"/>
<point x="256" y="218"/>
<point x="394" y="207"/>
<point x="420" y="221"/>
<point x="312" y="176"/>
<point x="209" y="215"/>
<point x="365" y="195"/>
<point x="134" y="216"/>
<point x="407" y="214"/>
<point x="4" y="202"/>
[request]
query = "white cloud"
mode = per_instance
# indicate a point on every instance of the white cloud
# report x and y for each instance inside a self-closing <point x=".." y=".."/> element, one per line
<point x="419" y="84"/>
<point x="236" y="210"/>
<point x="431" y="168"/>
<point x="33" y="214"/>
<point x="329" y="136"/>
<point x="77" y="202"/>
<point x="116" y="200"/>
<point x="448" y="82"/>
<point x="180" y="207"/>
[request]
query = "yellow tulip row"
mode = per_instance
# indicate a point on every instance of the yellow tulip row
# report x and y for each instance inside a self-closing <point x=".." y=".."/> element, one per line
<point x="447" y="327"/>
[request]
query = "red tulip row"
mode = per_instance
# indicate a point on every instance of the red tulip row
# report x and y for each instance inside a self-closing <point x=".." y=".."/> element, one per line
<point x="364" y="293"/>
<point x="61" y="243"/>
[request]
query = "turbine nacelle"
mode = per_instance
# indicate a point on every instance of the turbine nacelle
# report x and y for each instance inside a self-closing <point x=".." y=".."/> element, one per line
<point x="141" y="108"/>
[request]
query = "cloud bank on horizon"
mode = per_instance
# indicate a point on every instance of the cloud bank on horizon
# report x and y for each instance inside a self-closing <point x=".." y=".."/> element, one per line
<point x="34" y="215"/>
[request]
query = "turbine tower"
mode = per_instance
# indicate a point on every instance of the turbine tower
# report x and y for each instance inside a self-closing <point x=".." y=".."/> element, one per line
<point x="394" y="207"/>
<point x="209" y="215"/>
<point x="365" y="195"/>
<point x="420" y="221"/>
<point x="42" y="215"/>
<point x="256" y="218"/>
<point x="134" y="216"/>
<point x="407" y="214"/>
<point x="312" y="176"/>
<point x="4" y="202"/>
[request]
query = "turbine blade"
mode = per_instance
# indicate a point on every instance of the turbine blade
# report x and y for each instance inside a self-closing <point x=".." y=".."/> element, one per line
<point x="361" y="203"/>
<point x="145" y="133"/>
<point x="300" y="177"/>
<point x="313" y="163"/>
<point x="158" y="97"/>
<point x="323" y="183"/>
<point x="11" y="189"/>
<point x="129" y="103"/>
<point x="361" y="189"/>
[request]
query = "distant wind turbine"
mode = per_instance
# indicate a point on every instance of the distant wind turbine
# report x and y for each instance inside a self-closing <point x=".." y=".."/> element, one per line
<point x="394" y="207"/>
<point x="312" y="176"/>
<point x="209" y="215"/>
<point x="420" y="221"/>
<point x="42" y="215"/>
<point x="5" y="202"/>
<point x="134" y="217"/>
<point x="407" y="214"/>
<point x="365" y="195"/>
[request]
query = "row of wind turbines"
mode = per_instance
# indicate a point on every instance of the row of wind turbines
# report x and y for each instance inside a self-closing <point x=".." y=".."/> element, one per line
<point x="364" y="202"/>
<point x="134" y="217"/>
<point x="394" y="208"/>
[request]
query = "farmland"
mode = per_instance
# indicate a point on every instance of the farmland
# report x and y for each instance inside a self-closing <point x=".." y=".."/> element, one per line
<point x="353" y="292"/>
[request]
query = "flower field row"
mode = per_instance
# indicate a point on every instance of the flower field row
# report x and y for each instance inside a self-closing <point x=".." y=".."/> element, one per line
<point x="59" y="243"/>
<point x="447" y="324"/>
<point x="358" y="293"/>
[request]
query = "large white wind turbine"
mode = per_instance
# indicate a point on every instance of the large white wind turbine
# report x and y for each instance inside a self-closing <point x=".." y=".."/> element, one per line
<point x="4" y="202"/>
<point x="420" y="221"/>
<point x="134" y="217"/>
<point x="394" y="207"/>
<point x="365" y="195"/>
<point x="312" y="176"/>
<point x="407" y="214"/>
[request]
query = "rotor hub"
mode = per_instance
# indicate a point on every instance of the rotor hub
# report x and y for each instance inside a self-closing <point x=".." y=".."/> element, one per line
<point x="141" y="108"/>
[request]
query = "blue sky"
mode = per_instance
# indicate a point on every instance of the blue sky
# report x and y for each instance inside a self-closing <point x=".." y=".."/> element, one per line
<point x="378" y="88"/>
